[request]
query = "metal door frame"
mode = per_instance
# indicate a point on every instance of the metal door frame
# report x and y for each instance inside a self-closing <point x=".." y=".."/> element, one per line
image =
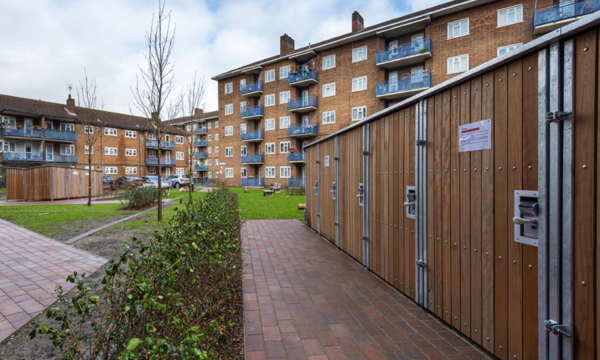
<point x="365" y="207"/>
<point x="421" y="203"/>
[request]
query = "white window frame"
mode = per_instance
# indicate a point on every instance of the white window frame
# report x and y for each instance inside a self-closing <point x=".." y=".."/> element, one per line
<point x="88" y="129"/>
<point x="360" y="112"/>
<point x="111" y="151"/>
<point x="243" y="150"/>
<point x="243" y="128"/>
<point x="131" y="170"/>
<point x="269" y="124"/>
<point x="229" y="173"/>
<point x="243" y="173"/>
<point x="179" y="171"/>
<point x="216" y="124"/>
<point x="229" y="151"/>
<point x="152" y="153"/>
<point x="178" y="139"/>
<point x="216" y="149"/>
<point x="208" y="124"/>
<point x="269" y="100"/>
<point x="189" y="128"/>
<point x="110" y="131"/>
<point x="131" y="134"/>
<point x="329" y="61"/>
<point x="152" y="171"/>
<point x="228" y="88"/>
<point x="111" y="170"/>
<point x="151" y="136"/>
<point x="358" y="80"/>
<point x="284" y="144"/>
<point x="358" y="51"/>
<point x="515" y="46"/>
<point x="86" y="150"/>
<point x="507" y="9"/>
<point x="11" y="122"/>
<point x="216" y="162"/>
<point x="283" y="170"/>
<point x="328" y="116"/>
<point x="8" y="146"/>
<point x="229" y="130"/>
<point x="179" y="155"/>
<point x="210" y="150"/>
<point x="284" y="122"/>
<point x="67" y="149"/>
<point x="210" y="174"/>
<point x="284" y="71"/>
<point x="284" y="97"/>
<point x="270" y="172"/>
<point x="269" y="75"/>
<point x="216" y="137"/>
<point x="328" y="90"/>
<point x="269" y="148"/>
<point x="459" y="57"/>
<point x="130" y="152"/>
<point x="209" y="137"/>
<point x="228" y="110"/>
<point x="453" y="24"/>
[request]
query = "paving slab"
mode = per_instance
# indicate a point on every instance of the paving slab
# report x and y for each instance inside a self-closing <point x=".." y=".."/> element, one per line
<point x="305" y="299"/>
<point x="31" y="267"/>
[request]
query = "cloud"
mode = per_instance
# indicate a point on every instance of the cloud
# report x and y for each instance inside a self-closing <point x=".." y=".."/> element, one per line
<point x="47" y="43"/>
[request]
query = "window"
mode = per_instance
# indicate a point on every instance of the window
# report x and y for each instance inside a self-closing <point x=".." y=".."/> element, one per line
<point x="243" y="150"/>
<point x="216" y="149"/>
<point x="284" y="71"/>
<point x="511" y="15"/>
<point x="329" y="90"/>
<point x="88" y="129"/>
<point x="67" y="127"/>
<point x="168" y="138"/>
<point x="284" y="97"/>
<point x="270" y="100"/>
<point x="10" y="122"/>
<point x="228" y="131"/>
<point x="130" y="152"/>
<point x="359" y="113"/>
<point x="269" y="124"/>
<point x="243" y="173"/>
<point x="270" y="172"/>
<point x="359" y="54"/>
<point x="210" y="174"/>
<point x="111" y="170"/>
<point x="284" y="122"/>
<point x="359" y="84"/>
<point x="189" y="128"/>
<point x="284" y="147"/>
<point x="229" y="152"/>
<point x="130" y="170"/>
<point x="458" y="28"/>
<point x="152" y="153"/>
<point x="209" y="138"/>
<point x="151" y="136"/>
<point x="67" y="149"/>
<point x="270" y="148"/>
<point x="328" y="117"/>
<point x="216" y="137"/>
<point x="110" y="131"/>
<point x="329" y="62"/>
<point x="87" y="150"/>
<point x="242" y="128"/>
<point x="210" y="150"/>
<point x="228" y="110"/>
<point x="285" y="172"/>
<point x="216" y="174"/>
<point x="216" y="125"/>
<point x="209" y="162"/>
<point x="458" y="64"/>
<point x="506" y="49"/>
<point x="216" y="161"/>
<point x="179" y="155"/>
<point x="228" y="88"/>
<point x="269" y="75"/>
<point x="216" y="122"/>
<point x="229" y="173"/>
<point x="242" y="105"/>
<point x="180" y="171"/>
<point x="130" y="134"/>
<point x="179" y="139"/>
<point x="110" y="151"/>
<point x="195" y="126"/>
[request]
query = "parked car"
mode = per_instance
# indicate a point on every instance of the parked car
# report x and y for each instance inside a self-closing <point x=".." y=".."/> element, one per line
<point x="108" y="181"/>
<point x="152" y="180"/>
<point x="126" y="181"/>
<point x="178" y="181"/>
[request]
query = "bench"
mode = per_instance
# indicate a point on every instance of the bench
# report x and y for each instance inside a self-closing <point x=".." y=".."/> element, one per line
<point x="268" y="193"/>
<point x="276" y="188"/>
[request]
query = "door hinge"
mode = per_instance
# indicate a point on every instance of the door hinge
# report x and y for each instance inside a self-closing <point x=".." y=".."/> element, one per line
<point x="556" y="328"/>
<point x="421" y="142"/>
<point x="318" y="214"/>
<point x="317" y="161"/>
<point x="365" y="237"/>
<point x="557" y="116"/>
<point x="365" y="152"/>
<point x="336" y="223"/>
<point x="421" y="263"/>
<point x="336" y="158"/>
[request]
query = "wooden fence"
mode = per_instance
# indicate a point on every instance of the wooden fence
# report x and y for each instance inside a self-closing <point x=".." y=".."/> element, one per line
<point x="51" y="183"/>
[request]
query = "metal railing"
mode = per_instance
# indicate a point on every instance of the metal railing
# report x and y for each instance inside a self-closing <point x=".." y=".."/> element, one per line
<point x="201" y="131"/>
<point x="253" y="135"/>
<point x="297" y="156"/>
<point x="402" y="51"/>
<point x="411" y="82"/>
<point x="296" y="181"/>
<point x="250" y="88"/>
<point x="309" y="129"/>
<point x="252" y="111"/>
<point x="564" y="11"/>
<point x="60" y="135"/>
<point x="38" y="157"/>
<point x="303" y="102"/>
<point x="31" y="133"/>
<point x="253" y="182"/>
<point x="298" y="76"/>
<point x="201" y="167"/>
<point x="201" y="142"/>
<point x="253" y="159"/>
<point x="154" y="161"/>
<point x="167" y="145"/>
<point x="201" y="155"/>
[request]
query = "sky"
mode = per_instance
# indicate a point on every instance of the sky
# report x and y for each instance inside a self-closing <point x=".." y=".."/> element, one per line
<point x="47" y="44"/>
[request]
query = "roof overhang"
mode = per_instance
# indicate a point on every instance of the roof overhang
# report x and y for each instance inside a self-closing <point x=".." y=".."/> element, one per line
<point x="406" y="28"/>
<point x="303" y="56"/>
<point x="25" y="113"/>
<point x="252" y="70"/>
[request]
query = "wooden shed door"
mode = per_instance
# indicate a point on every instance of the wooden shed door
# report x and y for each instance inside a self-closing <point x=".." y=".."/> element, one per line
<point x="327" y="196"/>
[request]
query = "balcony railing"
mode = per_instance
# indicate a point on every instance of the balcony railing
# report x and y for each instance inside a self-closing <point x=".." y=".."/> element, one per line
<point x="254" y="111"/>
<point x="253" y="159"/>
<point x="303" y="130"/>
<point x="201" y="131"/>
<point x="403" y="51"/>
<point x="253" y="182"/>
<point x="201" y="142"/>
<point x="30" y="133"/>
<point x="60" y="135"/>
<point x="252" y="88"/>
<point x="412" y="82"/>
<point x="303" y="77"/>
<point x="167" y="145"/>
<point x="299" y="156"/>
<point x="564" y="11"/>
<point x="38" y="157"/>
<point x="154" y="161"/>
<point x="296" y="182"/>
<point x="201" y="155"/>
<point x="201" y="167"/>
<point x="253" y="135"/>
<point x="304" y="103"/>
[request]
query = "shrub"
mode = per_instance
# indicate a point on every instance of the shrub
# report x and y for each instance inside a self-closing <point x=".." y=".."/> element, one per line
<point x="137" y="197"/>
<point x="168" y="300"/>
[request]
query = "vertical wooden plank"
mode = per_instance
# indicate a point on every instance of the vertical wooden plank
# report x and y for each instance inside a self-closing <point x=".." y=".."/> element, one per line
<point x="455" y="251"/>
<point x="465" y="217"/>
<point x="390" y="187"/>
<point x="439" y="268"/>
<point x="397" y="200"/>
<point x="401" y="196"/>
<point x="411" y="157"/>
<point x="385" y="271"/>
<point x="431" y="268"/>
<point x="445" y="239"/>
<point x="408" y="271"/>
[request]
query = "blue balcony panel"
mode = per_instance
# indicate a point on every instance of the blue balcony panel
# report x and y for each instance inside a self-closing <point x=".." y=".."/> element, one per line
<point x="253" y="89"/>
<point x="164" y="145"/>
<point x="303" y="131"/>
<point x="41" y="157"/>
<point x="201" y="155"/>
<point x="201" y="143"/>
<point x="297" y="157"/>
<point x="403" y="88"/>
<point x="404" y="55"/>
<point x="163" y="162"/>
<point x="201" y="131"/>
<point x="253" y="182"/>
<point x="201" y="167"/>
<point x="60" y="135"/>
<point x="253" y="112"/>
<point x="296" y="181"/>
<point x="552" y="17"/>
<point x="253" y="159"/>
<point x="304" y="104"/>
<point x="22" y="133"/>
<point x="71" y="159"/>
<point x="256" y="136"/>
<point x="303" y="78"/>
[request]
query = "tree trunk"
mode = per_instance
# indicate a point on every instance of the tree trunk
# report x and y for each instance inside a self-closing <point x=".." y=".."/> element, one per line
<point x="159" y="182"/>
<point x="89" y="179"/>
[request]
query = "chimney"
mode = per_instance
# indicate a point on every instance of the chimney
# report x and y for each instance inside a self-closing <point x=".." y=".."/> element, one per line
<point x="155" y="118"/>
<point x="357" y="22"/>
<point x="71" y="105"/>
<point x="199" y="113"/>
<point x="286" y="44"/>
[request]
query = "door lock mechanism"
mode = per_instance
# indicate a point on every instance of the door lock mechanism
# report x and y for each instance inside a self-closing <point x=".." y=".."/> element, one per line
<point x="332" y="191"/>
<point x="361" y="195"/>
<point x="556" y="328"/>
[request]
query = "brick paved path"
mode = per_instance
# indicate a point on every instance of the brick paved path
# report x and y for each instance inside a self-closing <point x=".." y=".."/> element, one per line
<point x="31" y="266"/>
<point x="303" y="298"/>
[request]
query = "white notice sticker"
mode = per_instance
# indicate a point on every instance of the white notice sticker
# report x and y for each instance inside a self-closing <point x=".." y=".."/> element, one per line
<point x="327" y="161"/>
<point x="475" y="136"/>
<point x="75" y="173"/>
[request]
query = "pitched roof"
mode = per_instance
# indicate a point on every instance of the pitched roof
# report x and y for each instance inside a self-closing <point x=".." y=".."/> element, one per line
<point x="185" y="119"/>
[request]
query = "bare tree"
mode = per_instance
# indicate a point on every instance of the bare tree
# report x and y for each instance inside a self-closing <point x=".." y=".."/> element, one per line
<point x="156" y="82"/>
<point x="90" y="116"/>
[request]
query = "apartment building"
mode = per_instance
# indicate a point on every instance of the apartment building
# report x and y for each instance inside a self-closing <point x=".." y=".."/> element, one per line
<point x="271" y="108"/>
<point x="35" y="133"/>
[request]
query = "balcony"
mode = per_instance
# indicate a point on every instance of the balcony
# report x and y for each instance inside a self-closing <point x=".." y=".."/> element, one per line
<point x="201" y="167"/>
<point x="302" y="130"/>
<point x="201" y="131"/>
<point x="306" y="104"/>
<point x="201" y="155"/>
<point x="164" y="145"/>
<point x="253" y="136"/>
<point x="296" y="181"/>
<point x="408" y="86"/>
<point x="38" y="157"/>
<point x="201" y="143"/>
<point x="163" y="162"/>
<point x="60" y="135"/>
<point x="303" y="78"/>
<point x="404" y="55"/>
<point x="253" y="182"/>
<point x="253" y="113"/>
<point x="253" y="159"/>
<point x="252" y="90"/>
<point x="22" y="133"/>
<point x="297" y="157"/>
<point x="552" y="17"/>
